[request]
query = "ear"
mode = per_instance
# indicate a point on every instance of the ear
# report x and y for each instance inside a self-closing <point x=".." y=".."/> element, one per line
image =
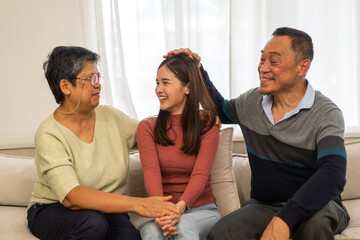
<point x="304" y="66"/>
<point x="65" y="87"/>
<point x="187" y="91"/>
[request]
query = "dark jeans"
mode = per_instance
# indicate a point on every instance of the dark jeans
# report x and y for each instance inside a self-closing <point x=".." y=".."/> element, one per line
<point x="54" y="221"/>
<point x="250" y="221"/>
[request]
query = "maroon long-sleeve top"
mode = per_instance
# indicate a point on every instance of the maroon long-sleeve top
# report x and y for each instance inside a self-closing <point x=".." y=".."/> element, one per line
<point x="170" y="171"/>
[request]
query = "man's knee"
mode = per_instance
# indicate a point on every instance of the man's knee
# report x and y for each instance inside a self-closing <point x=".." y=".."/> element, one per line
<point x="91" y="225"/>
<point x="232" y="229"/>
<point x="325" y="223"/>
<point x="314" y="228"/>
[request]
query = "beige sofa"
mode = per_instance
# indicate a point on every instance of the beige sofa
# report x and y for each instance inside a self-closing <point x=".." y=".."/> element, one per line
<point x="230" y="182"/>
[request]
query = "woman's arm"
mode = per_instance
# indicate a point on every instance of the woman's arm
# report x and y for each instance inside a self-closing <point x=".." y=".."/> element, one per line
<point x="201" y="171"/>
<point x="87" y="198"/>
<point x="149" y="158"/>
<point x="57" y="170"/>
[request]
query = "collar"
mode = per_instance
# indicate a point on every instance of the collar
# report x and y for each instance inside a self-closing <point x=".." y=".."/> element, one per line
<point x="305" y="103"/>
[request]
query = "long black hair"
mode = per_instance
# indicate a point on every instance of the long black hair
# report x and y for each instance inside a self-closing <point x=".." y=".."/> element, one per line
<point x="195" y="122"/>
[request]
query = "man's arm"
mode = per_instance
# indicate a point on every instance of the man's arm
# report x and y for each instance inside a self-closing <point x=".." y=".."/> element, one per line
<point x="325" y="184"/>
<point x="218" y="99"/>
<point x="328" y="180"/>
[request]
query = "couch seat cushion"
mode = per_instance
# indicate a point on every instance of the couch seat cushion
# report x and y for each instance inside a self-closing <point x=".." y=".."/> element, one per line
<point x="14" y="224"/>
<point x="352" y="231"/>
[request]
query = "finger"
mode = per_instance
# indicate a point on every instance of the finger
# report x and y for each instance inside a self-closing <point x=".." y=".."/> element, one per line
<point x="170" y="208"/>
<point x="162" y="223"/>
<point x="172" y="229"/>
<point x="167" y="198"/>
<point x="167" y="234"/>
<point x="165" y="219"/>
<point x="173" y="232"/>
<point x="167" y="55"/>
<point x="165" y="227"/>
<point x="173" y="223"/>
<point x="171" y="53"/>
<point x="168" y="217"/>
<point x="186" y="51"/>
<point x="170" y="212"/>
<point x="197" y="57"/>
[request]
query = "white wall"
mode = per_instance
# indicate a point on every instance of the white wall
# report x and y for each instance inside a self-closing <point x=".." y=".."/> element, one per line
<point x="29" y="30"/>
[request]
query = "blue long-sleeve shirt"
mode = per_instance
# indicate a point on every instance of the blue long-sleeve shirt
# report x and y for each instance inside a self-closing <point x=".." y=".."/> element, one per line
<point x="300" y="161"/>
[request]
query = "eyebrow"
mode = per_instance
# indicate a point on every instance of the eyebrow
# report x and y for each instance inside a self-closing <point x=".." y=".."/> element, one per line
<point x="162" y="79"/>
<point x="273" y="52"/>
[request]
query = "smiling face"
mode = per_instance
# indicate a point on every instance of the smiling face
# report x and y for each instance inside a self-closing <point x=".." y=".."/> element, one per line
<point x="171" y="91"/>
<point x="278" y="71"/>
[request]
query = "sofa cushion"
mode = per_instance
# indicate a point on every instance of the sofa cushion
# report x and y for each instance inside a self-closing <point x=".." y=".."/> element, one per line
<point x="14" y="224"/>
<point x="241" y="168"/>
<point x="17" y="178"/>
<point x="223" y="181"/>
<point x="352" y="231"/>
<point x="352" y="186"/>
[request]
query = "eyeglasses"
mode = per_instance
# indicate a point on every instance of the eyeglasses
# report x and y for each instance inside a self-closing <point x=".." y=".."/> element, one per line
<point x="94" y="78"/>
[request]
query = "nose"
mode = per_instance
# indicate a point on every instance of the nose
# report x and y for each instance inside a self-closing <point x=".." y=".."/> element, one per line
<point x="263" y="67"/>
<point x="97" y="85"/>
<point x="158" y="89"/>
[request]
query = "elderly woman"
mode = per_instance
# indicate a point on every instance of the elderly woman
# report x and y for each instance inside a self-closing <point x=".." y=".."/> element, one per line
<point x="82" y="159"/>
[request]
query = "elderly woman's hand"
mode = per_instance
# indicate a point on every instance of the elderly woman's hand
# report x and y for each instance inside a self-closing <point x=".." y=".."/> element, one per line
<point x="156" y="207"/>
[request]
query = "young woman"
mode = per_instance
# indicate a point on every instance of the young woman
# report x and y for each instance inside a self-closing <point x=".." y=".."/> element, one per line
<point x="177" y="150"/>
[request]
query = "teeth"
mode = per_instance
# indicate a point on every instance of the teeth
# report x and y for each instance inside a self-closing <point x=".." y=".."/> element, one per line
<point x="162" y="98"/>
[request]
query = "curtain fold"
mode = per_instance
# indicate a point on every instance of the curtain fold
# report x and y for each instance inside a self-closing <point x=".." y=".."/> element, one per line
<point x="115" y="89"/>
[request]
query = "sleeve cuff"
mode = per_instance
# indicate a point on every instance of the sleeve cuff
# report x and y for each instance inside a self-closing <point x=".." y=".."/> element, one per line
<point x="290" y="214"/>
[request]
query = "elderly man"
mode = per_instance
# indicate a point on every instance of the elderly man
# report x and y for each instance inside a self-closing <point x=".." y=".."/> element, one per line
<point x="294" y="139"/>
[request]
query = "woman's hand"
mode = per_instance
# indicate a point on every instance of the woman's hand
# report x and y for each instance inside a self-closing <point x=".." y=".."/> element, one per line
<point x="187" y="52"/>
<point x="156" y="207"/>
<point x="167" y="223"/>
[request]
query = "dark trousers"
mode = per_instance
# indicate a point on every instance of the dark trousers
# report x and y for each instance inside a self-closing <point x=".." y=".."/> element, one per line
<point x="250" y="221"/>
<point x="54" y="221"/>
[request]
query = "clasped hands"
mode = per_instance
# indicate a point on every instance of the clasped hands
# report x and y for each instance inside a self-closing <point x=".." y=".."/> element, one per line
<point x="167" y="222"/>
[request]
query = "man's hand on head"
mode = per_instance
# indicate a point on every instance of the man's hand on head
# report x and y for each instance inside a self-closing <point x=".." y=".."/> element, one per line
<point x="187" y="52"/>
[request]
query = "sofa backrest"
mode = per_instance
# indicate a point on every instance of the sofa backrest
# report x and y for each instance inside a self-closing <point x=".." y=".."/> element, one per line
<point x="17" y="178"/>
<point x="352" y="186"/>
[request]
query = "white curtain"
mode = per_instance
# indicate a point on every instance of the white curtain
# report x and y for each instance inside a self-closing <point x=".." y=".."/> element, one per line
<point x="133" y="35"/>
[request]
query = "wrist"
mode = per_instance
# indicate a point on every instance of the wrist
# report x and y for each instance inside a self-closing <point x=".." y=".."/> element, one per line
<point x="182" y="206"/>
